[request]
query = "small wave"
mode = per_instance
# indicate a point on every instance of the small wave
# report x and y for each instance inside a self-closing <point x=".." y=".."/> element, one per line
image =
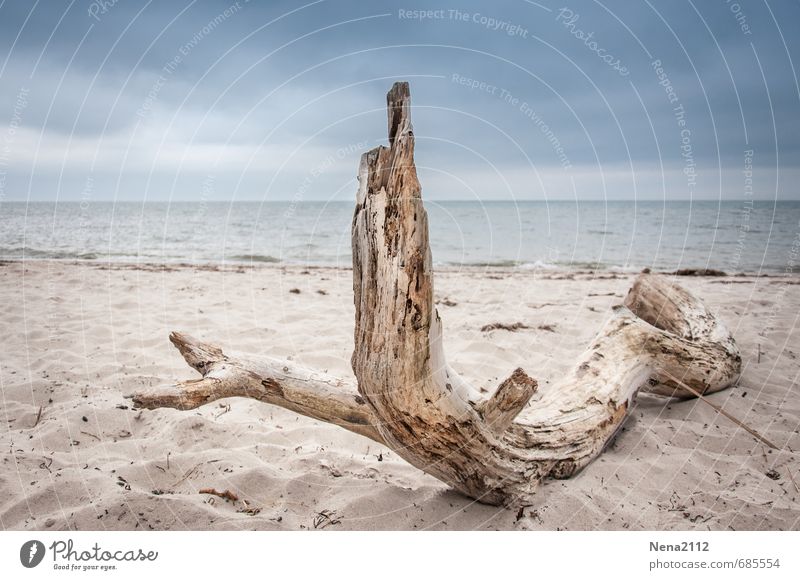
<point x="490" y="264"/>
<point x="538" y="265"/>
<point x="583" y="265"/>
<point x="255" y="258"/>
<point x="20" y="253"/>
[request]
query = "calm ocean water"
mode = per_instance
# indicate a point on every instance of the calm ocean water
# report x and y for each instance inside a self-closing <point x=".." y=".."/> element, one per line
<point x="730" y="236"/>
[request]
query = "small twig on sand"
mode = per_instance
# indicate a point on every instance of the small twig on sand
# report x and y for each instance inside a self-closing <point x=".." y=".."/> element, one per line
<point x="38" y="416"/>
<point x="192" y="470"/>
<point x="789" y="471"/>
<point x="187" y="474"/>
<point x="721" y="411"/>
<point x="325" y="518"/>
<point x="503" y="326"/>
<point x="91" y="435"/>
<point x="227" y="494"/>
<point x="248" y="509"/>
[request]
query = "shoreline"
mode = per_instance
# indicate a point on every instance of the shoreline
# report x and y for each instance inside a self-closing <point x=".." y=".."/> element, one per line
<point x="542" y="273"/>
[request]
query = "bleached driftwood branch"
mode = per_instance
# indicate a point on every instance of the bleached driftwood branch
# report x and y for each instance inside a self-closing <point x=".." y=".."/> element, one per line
<point x="313" y="394"/>
<point x="494" y="449"/>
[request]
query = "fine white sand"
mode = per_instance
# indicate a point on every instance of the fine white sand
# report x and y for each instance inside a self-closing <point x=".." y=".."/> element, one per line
<point x="77" y="338"/>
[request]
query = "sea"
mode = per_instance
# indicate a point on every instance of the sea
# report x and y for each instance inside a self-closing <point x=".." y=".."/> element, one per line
<point x="733" y="236"/>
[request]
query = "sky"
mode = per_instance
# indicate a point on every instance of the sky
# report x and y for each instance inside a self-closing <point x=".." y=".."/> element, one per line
<point x="215" y="100"/>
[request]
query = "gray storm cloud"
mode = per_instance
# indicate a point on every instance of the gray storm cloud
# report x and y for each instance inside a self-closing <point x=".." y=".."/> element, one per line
<point x="513" y="99"/>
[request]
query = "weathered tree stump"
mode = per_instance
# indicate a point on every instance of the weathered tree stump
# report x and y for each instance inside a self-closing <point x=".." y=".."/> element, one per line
<point x="406" y="397"/>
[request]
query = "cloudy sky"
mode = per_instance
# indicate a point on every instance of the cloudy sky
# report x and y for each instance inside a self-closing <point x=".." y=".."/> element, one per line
<point x="217" y="101"/>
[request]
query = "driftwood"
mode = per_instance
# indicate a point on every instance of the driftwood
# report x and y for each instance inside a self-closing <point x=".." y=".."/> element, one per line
<point x="494" y="449"/>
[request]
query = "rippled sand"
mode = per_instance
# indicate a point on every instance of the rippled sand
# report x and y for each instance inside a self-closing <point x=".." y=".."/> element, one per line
<point x="77" y="338"/>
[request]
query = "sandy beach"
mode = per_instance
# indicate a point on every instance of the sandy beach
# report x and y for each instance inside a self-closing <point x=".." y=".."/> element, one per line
<point x="79" y="337"/>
